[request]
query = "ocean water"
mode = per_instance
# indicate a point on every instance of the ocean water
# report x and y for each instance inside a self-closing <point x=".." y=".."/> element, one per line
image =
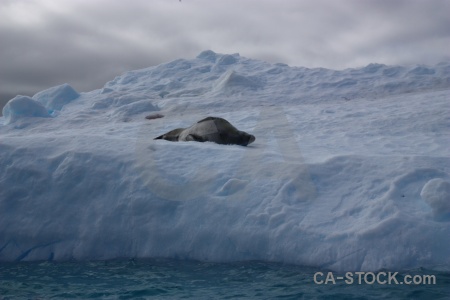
<point x="173" y="279"/>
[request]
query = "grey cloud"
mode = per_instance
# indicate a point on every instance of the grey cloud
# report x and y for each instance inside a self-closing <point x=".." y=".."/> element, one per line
<point x="87" y="43"/>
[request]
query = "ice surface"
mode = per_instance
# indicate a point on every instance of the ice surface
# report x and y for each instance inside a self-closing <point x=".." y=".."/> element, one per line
<point x="56" y="97"/>
<point x="350" y="169"/>
<point x="436" y="193"/>
<point x="23" y="107"/>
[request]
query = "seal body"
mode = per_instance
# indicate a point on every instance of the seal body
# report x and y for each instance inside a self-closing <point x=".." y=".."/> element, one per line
<point x="210" y="129"/>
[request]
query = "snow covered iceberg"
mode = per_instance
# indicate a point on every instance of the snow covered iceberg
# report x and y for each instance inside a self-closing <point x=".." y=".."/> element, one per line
<point x="350" y="169"/>
<point x="42" y="105"/>
<point x="23" y="107"/>
<point x="56" y="97"/>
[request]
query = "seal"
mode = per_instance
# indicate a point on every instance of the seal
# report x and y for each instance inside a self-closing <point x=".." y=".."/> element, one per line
<point x="210" y="129"/>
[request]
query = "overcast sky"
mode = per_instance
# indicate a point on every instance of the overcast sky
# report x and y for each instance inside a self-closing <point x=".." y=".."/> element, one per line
<point x="86" y="43"/>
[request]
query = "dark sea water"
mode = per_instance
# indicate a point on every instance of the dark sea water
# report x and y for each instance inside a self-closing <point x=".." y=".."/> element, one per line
<point x="172" y="279"/>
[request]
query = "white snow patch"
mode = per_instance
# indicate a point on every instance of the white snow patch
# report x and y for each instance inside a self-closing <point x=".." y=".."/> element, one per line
<point x="56" y="97"/>
<point x="436" y="193"/>
<point x="23" y="107"/>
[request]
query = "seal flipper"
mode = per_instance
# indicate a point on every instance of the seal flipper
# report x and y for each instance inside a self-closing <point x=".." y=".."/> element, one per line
<point x="159" y="137"/>
<point x="196" y="138"/>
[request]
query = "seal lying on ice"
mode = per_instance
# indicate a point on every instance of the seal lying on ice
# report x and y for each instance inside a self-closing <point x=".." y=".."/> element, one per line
<point x="210" y="129"/>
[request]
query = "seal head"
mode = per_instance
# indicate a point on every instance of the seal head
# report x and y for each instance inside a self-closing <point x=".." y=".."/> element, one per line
<point x="172" y="135"/>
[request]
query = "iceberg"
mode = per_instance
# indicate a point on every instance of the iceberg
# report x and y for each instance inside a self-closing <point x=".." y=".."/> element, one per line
<point x="23" y="107"/>
<point x="56" y="97"/>
<point x="350" y="170"/>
